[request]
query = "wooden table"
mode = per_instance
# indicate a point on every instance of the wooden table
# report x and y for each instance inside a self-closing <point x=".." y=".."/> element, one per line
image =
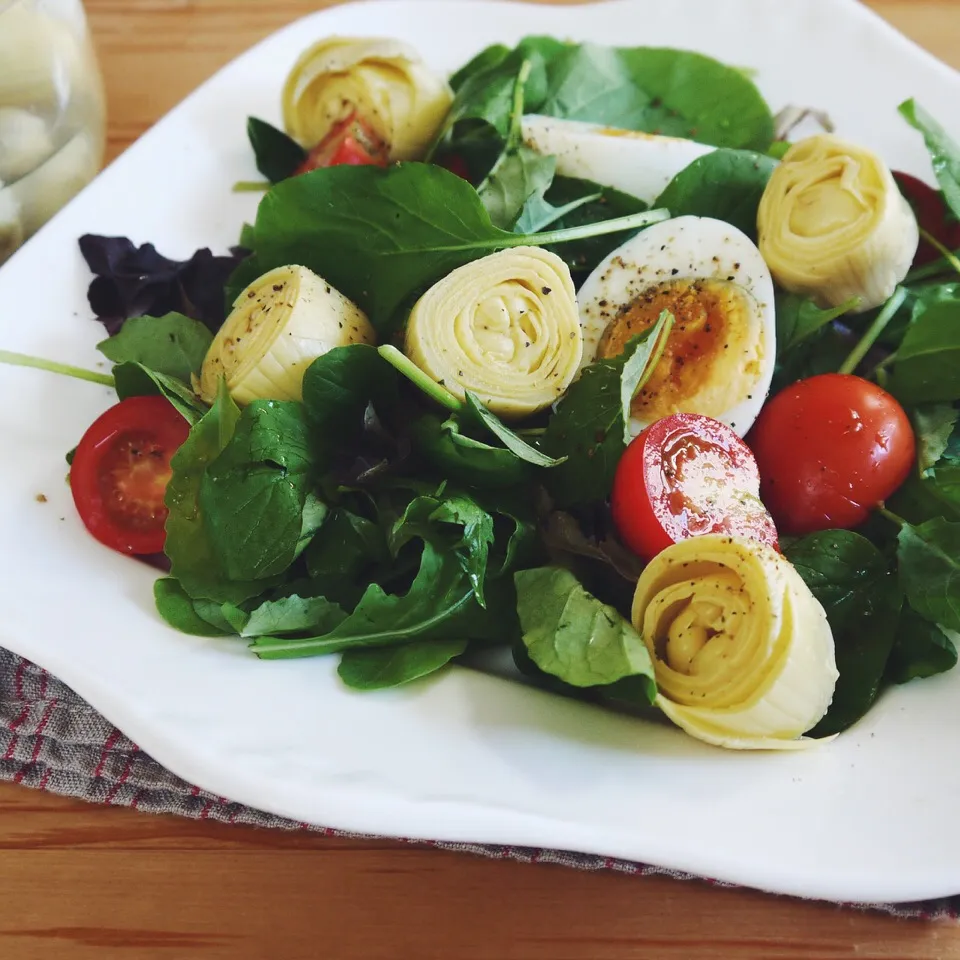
<point x="83" y="881"/>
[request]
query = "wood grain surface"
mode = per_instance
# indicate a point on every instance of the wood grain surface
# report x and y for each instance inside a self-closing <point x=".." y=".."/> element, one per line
<point x="97" y="883"/>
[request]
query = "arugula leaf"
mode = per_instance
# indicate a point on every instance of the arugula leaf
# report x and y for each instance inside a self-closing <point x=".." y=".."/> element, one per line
<point x="472" y="546"/>
<point x="172" y="345"/>
<point x="580" y="202"/>
<point x="194" y="560"/>
<point x="136" y="380"/>
<point x="464" y="459"/>
<point x="927" y="365"/>
<point x="177" y="609"/>
<point x="933" y="425"/>
<point x="377" y="668"/>
<point x="292" y="614"/>
<point x="853" y="582"/>
<point x="515" y="444"/>
<point x="944" y="153"/>
<point x="799" y="318"/>
<point x="573" y="636"/>
<point x="277" y="155"/>
<point x="929" y="559"/>
<point x="921" y="650"/>
<point x="381" y="235"/>
<point x="589" y="427"/>
<point x="640" y="366"/>
<point x="518" y="176"/>
<point x="252" y="496"/>
<point x="726" y="185"/>
<point x="439" y="605"/>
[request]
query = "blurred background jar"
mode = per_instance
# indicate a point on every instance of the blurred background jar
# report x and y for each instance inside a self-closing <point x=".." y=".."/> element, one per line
<point x="52" y="113"/>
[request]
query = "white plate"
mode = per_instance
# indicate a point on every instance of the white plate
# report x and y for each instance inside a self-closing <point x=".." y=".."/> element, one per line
<point x="468" y="757"/>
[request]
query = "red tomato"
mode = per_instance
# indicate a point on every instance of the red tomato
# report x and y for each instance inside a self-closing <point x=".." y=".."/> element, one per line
<point x="684" y="476"/>
<point x="351" y="142"/>
<point x="830" y="449"/>
<point x="456" y="164"/>
<point x="932" y="214"/>
<point x="120" y="473"/>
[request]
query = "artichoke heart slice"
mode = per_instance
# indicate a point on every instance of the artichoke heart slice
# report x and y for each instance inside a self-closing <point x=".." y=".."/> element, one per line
<point x="833" y="224"/>
<point x="383" y="81"/>
<point x="742" y="650"/>
<point x="279" y="325"/>
<point x="505" y="327"/>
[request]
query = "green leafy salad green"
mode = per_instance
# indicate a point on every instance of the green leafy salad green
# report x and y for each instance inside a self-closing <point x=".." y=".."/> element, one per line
<point x="389" y="520"/>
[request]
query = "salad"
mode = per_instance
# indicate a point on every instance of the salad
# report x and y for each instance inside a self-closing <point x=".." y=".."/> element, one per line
<point x="580" y="352"/>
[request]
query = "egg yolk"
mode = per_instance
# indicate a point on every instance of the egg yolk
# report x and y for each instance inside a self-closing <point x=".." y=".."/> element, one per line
<point x="712" y="354"/>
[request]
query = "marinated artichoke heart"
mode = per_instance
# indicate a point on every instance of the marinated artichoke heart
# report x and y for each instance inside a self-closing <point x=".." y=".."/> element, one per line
<point x="504" y="327"/>
<point x="25" y="142"/>
<point x="742" y="651"/>
<point x="833" y="225"/>
<point x="11" y="229"/>
<point x="384" y="81"/>
<point x="279" y="325"/>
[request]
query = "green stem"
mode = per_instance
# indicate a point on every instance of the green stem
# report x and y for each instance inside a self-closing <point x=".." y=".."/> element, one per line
<point x="945" y="252"/>
<point x="873" y="331"/>
<point x="251" y="186"/>
<point x="64" y="369"/>
<point x="531" y="432"/>
<point x="415" y="375"/>
<point x="891" y="516"/>
<point x="931" y="269"/>
<point x="588" y="230"/>
<point x="515" y="133"/>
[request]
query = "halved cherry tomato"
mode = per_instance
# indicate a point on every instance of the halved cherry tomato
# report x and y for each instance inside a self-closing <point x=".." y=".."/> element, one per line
<point x="685" y="476"/>
<point x="932" y="214"/>
<point x="352" y="142"/>
<point x="830" y="449"/>
<point x="120" y="472"/>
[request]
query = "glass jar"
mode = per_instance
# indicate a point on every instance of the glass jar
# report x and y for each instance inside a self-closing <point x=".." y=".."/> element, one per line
<point x="52" y="113"/>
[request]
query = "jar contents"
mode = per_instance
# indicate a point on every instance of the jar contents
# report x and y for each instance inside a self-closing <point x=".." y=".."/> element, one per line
<point x="52" y="114"/>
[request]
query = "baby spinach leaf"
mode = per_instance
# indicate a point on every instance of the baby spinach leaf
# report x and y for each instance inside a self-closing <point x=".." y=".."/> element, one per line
<point x="439" y="605"/>
<point x="588" y="428"/>
<point x="464" y="459"/>
<point x="921" y="650"/>
<point x="933" y="424"/>
<point x="376" y="668"/>
<point x="486" y="59"/>
<point x="252" y="496"/>
<point x="726" y="185"/>
<point x="799" y="318"/>
<point x="924" y="498"/>
<point x="277" y="155"/>
<point x="195" y="562"/>
<point x="177" y="609"/>
<point x="381" y="235"/>
<point x="293" y="614"/>
<point x="573" y="636"/>
<point x="172" y="345"/>
<point x="136" y="380"/>
<point x="944" y="153"/>
<point x="929" y="558"/>
<point x="853" y="582"/>
<point x="337" y="388"/>
<point x="692" y="95"/>
<point x="519" y="447"/>
<point x="927" y="365"/>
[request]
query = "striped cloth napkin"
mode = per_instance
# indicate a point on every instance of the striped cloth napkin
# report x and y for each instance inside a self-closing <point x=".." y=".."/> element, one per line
<point x="51" y="739"/>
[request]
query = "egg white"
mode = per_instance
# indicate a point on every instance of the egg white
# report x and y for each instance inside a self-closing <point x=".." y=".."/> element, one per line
<point x="686" y="248"/>
<point x="641" y="164"/>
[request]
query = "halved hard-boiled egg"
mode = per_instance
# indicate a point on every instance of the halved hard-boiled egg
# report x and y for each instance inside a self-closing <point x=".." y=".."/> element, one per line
<point x="641" y="164"/>
<point x="719" y="357"/>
